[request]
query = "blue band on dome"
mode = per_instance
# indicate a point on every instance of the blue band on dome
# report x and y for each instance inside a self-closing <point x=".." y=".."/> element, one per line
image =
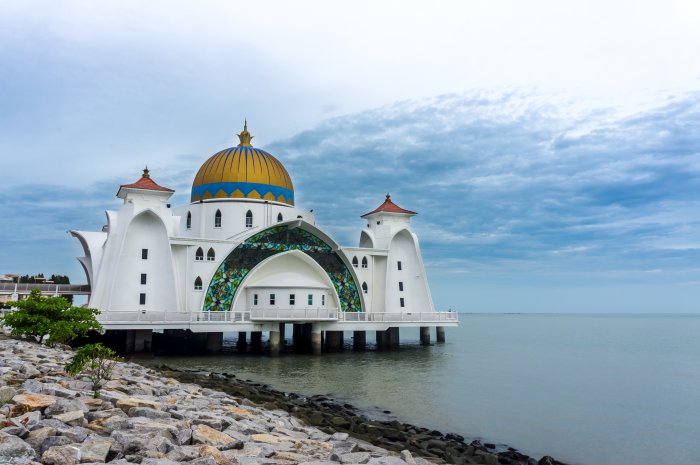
<point x="245" y="187"/>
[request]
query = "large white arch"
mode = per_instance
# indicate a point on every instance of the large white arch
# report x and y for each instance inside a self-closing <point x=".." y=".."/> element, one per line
<point x="404" y="248"/>
<point x="307" y="274"/>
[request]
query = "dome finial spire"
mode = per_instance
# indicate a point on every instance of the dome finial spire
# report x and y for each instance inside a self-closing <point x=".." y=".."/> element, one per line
<point x="244" y="137"/>
<point x="145" y="172"/>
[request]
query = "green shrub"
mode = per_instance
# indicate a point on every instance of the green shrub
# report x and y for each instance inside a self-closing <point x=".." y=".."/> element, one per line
<point x="38" y="316"/>
<point x="94" y="361"/>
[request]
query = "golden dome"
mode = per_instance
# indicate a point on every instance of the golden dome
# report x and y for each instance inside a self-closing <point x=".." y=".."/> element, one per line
<point x="243" y="172"/>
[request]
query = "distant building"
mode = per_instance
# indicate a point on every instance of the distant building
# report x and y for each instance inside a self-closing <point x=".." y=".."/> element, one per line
<point x="242" y="254"/>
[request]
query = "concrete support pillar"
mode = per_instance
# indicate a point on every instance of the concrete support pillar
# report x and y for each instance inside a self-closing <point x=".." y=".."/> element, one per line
<point x="334" y="341"/>
<point x="359" y="340"/>
<point x="382" y="340"/>
<point x="393" y="338"/>
<point x="424" y="336"/>
<point x="129" y="341"/>
<point x="316" y="340"/>
<point x="440" y="334"/>
<point x="297" y="337"/>
<point x="242" y="343"/>
<point x="282" y="331"/>
<point x="256" y="340"/>
<point x="215" y="342"/>
<point x="274" y="343"/>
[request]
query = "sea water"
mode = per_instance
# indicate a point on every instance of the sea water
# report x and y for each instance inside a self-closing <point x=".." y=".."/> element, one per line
<point x="586" y="389"/>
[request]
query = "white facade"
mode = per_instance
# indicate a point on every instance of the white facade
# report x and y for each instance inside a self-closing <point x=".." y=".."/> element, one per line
<point x="154" y="266"/>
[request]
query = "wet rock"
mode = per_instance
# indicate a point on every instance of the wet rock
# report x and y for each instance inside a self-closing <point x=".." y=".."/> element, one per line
<point x="388" y="460"/>
<point x="355" y="457"/>
<point x="547" y="460"/>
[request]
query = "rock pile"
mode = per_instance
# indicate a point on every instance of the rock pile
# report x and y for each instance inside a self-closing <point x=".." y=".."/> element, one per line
<point x="146" y="417"/>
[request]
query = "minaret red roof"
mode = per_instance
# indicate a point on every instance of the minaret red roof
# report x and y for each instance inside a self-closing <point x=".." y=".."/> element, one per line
<point x="389" y="207"/>
<point x="145" y="182"/>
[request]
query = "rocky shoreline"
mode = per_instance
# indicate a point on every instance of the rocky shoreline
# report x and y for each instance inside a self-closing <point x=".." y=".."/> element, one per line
<point x="170" y="417"/>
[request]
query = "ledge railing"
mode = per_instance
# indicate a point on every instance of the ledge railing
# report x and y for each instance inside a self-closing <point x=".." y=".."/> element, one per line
<point x="275" y="314"/>
<point x="293" y="314"/>
<point x="384" y="317"/>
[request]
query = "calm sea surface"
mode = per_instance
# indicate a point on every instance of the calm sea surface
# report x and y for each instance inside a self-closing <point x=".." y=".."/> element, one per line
<point x="587" y="389"/>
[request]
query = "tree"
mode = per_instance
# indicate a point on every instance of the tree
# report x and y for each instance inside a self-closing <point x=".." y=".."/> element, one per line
<point x="96" y="362"/>
<point x="38" y="317"/>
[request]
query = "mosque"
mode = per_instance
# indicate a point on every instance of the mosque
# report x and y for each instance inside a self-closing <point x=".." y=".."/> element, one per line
<point x="242" y="257"/>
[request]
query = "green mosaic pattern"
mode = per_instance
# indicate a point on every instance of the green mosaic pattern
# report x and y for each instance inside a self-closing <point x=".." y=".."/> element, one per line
<point x="233" y="270"/>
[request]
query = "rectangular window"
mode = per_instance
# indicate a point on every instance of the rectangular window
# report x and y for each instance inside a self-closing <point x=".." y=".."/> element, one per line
<point x="142" y="299"/>
<point x="323" y="300"/>
<point x="400" y="286"/>
<point x="255" y="299"/>
<point x="401" y="301"/>
<point x="143" y="278"/>
<point x="272" y="299"/>
<point x="398" y="264"/>
<point x="292" y="299"/>
<point x="311" y="299"/>
<point x="144" y="254"/>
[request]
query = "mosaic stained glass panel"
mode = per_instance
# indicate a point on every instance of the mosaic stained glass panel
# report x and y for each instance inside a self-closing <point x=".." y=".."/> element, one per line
<point x="233" y="270"/>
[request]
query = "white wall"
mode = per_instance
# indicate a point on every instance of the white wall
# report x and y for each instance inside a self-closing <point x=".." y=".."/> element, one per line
<point x="145" y="231"/>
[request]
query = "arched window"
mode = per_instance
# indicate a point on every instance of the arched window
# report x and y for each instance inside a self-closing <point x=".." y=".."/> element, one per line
<point x="217" y="219"/>
<point x="364" y="262"/>
<point x="279" y="217"/>
<point x="249" y="219"/>
<point x="364" y="288"/>
<point x="198" y="284"/>
<point x="354" y="262"/>
<point x="199" y="255"/>
<point x="211" y="256"/>
<point x="189" y="220"/>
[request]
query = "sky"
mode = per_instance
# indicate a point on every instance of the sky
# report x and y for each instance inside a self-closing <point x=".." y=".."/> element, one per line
<point x="551" y="149"/>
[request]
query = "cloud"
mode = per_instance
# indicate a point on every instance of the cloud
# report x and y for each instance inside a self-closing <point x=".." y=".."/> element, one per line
<point x="510" y="189"/>
<point x="510" y="177"/>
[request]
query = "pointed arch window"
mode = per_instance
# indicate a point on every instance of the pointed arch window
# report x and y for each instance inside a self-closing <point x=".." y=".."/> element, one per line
<point x="354" y="262"/>
<point x="364" y="262"/>
<point x="279" y="218"/>
<point x="217" y="219"/>
<point x="199" y="255"/>
<point x="211" y="256"/>
<point x="189" y="220"/>
<point x="249" y="219"/>
<point x="198" y="284"/>
<point x="364" y="288"/>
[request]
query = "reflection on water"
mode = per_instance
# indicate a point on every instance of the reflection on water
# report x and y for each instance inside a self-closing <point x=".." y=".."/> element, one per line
<point x="588" y="389"/>
<point x="370" y="380"/>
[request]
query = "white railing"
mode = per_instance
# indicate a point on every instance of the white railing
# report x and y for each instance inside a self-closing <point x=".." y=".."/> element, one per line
<point x="220" y="317"/>
<point x="293" y="314"/>
<point x="144" y="317"/>
<point x="418" y="317"/>
<point x="275" y="314"/>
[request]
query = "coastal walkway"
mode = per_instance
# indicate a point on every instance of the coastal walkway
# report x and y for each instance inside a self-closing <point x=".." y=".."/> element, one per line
<point x="315" y="328"/>
<point x="16" y="290"/>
